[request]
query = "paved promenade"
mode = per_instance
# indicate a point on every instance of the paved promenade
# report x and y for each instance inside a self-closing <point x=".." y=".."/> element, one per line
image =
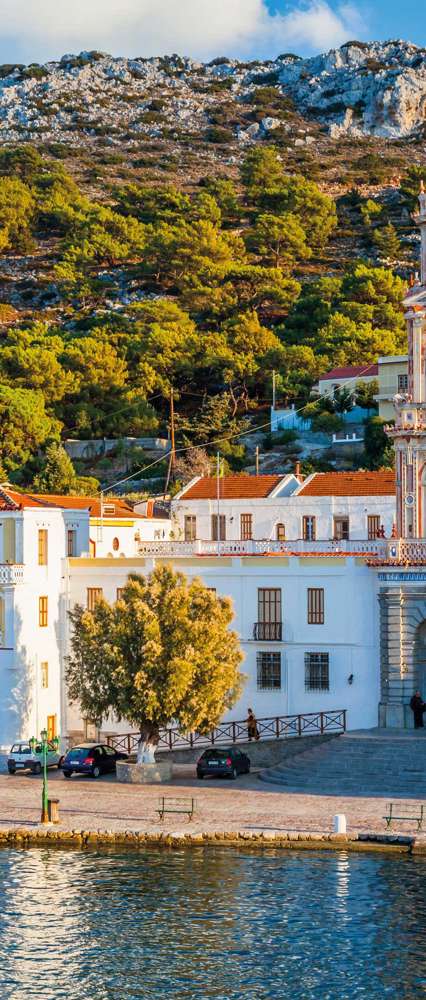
<point x="242" y="805"/>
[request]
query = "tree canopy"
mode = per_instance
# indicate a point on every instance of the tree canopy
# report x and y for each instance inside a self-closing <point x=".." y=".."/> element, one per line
<point x="163" y="653"/>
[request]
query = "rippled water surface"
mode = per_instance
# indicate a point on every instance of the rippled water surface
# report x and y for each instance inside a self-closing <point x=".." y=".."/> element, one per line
<point x="217" y="924"/>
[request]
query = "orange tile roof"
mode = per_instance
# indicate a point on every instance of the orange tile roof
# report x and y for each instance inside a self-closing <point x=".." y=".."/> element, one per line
<point x="350" y="484"/>
<point x="232" y="487"/>
<point x="11" y="500"/>
<point x="351" y="371"/>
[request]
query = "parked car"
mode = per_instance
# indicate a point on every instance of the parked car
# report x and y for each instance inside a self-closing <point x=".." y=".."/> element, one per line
<point x="23" y="758"/>
<point x="91" y="758"/>
<point x="226" y="762"/>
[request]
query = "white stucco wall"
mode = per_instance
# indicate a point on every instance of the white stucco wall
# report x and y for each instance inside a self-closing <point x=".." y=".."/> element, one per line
<point x="267" y="513"/>
<point x="349" y="635"/>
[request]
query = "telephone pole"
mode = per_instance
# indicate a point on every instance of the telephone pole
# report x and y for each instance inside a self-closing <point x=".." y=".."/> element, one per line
<point x="172" y="454"/>
<point x="172" y="432"/>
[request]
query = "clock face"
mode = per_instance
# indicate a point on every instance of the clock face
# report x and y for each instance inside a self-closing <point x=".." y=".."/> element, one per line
<point x="409" y="500"/>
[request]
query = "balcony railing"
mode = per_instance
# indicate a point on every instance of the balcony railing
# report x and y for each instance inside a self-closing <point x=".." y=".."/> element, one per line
<point x="406" y="550"/>
<point x="264" y="546"/>
<point x="11" y="573"/>
<point x="268" y="631"/>
<point x="278" y="727"/>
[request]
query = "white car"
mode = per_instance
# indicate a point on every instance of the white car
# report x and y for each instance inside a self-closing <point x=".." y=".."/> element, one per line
<point x="23" y="758"/>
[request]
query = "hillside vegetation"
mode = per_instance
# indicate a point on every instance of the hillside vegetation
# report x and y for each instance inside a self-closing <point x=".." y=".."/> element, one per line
<point x="126" y="277"/>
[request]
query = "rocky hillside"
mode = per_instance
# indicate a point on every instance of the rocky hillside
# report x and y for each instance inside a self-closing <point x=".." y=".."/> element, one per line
<point x="376" y="89"/>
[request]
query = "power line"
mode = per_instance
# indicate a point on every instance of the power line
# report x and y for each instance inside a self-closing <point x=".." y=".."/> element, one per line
<point x="231" y="437"/>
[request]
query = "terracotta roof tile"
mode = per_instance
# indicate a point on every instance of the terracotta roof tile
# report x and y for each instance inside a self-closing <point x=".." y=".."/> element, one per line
<point x="232" y="487"/>
<point x="351" y="371"/>
<point x="21" y="501"/>
<point x="350" y="484"/>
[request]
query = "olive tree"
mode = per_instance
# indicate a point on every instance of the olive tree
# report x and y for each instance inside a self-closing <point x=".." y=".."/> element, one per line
<point x="164" y="652"/>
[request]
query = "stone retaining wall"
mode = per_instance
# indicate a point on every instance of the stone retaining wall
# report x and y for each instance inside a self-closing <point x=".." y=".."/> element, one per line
<point x="24" y="837"/>
<point x="262" y="753"/>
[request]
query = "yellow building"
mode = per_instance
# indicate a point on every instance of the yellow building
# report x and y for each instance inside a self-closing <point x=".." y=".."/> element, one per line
<point x="393" y="380"/>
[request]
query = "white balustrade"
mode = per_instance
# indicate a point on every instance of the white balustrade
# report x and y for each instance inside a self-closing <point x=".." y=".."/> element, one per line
<point x="11" y="574"/>
<point x="260" y="546"/>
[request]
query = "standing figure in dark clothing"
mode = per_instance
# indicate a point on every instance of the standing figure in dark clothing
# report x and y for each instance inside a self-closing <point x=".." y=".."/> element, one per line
<point x="252" y="730"/>
<point x="417" y="706"/>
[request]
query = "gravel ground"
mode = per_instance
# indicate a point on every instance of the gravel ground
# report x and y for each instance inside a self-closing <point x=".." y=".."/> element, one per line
<point x="245" y="804"/>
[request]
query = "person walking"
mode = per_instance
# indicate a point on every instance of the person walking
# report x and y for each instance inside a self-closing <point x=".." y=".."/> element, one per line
<point x="417" y="706"/>
<point x="252" y="728"/>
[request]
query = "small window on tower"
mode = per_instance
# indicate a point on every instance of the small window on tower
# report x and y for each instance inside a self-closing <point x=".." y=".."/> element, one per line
<point x="116" y="544"/>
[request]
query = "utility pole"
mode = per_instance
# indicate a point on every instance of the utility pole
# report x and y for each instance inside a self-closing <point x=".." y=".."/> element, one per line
<point x="172" y="453"/>
<point x="218" y="500"/>
<point x="273" y="391"/>
<point x="172" y="431"/>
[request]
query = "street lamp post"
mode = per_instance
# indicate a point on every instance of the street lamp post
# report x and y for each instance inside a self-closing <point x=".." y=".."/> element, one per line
<point x="44" y="747"/>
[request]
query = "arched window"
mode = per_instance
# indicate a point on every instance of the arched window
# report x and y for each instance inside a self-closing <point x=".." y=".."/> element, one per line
<point x="116" y="544"/>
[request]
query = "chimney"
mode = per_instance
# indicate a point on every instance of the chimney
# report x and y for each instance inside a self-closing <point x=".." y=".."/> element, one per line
<point x="298" y="473"/>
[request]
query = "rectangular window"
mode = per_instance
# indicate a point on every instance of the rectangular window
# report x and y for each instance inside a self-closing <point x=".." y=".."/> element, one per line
<point x="42" y="547"/>
<point x="42" y="611"/>
<point x="94" y="594"/>
<point x="341" y="529"/>
<point x="309" y="528"/>
<point x="119" y="593"/>
<point x="71" y="542"/>
<point x="269" y="621"/>
<point x="373" y="525"/>
<point x="44" y="669"/>
<point x="315" y="606"/>
<point x="51" y="727"/>
<point x="317" y="672"/>
<point x="402" y="383"/>
<point x="268" y="671"/>
<point x="280" y="531"/>
<point x="246" y="527"/>
<point x="190" y="528"/>
<point x="222" y="528"/>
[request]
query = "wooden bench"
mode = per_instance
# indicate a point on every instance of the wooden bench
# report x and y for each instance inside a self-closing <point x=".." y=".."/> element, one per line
<point x="399" y="812"/>
<point x="170" y="805"/>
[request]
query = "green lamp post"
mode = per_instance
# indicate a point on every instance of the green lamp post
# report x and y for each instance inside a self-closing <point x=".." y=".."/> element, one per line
<point x="44" y="748"/>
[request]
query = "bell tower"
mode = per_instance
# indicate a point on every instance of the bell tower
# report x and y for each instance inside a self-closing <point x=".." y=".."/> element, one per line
<point x="409" y="432"/>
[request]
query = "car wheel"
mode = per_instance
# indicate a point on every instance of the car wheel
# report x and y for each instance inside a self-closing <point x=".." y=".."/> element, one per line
<point x="36" y="769"/>
<point x="96" y="771"/>
<point x="234" y="773"/>
<point x="11" y="768"/>
<point x="200" y="776"/>
<point x="67" y="774"/>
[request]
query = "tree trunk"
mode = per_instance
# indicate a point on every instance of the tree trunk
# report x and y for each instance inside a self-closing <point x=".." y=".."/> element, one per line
<point x="148" y="742"/>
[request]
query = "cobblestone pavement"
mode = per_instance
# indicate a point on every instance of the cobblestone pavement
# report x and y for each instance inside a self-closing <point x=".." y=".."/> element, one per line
<point x="244" y="804"/>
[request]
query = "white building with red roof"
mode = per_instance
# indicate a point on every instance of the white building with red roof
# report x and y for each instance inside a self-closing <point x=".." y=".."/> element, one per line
<point x="327" y="575"/>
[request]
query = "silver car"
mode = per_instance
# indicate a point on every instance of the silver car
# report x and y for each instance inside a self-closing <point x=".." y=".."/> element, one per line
<point x="23" y="758"/>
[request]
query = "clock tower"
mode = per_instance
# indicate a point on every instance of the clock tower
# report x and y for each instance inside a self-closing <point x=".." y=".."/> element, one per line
<point x="409" y="432"/>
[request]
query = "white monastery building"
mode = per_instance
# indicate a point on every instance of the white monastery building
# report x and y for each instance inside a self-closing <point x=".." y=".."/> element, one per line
<point x="327" y="575"/>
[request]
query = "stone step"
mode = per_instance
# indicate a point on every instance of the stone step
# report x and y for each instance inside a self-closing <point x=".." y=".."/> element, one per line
<point x="358" y="765"/>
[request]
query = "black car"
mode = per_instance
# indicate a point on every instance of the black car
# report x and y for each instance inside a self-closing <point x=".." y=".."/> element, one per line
<point x="91" y="758"/>
<point x="226" y="762"/>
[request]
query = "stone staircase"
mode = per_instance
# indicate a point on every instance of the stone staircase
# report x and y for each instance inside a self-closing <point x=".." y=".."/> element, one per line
<point x="365" y="763"/>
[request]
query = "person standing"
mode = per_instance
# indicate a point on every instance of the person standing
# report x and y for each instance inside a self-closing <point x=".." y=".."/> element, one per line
<point x="252" y="729"/>
<point x="417" y="707"/>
